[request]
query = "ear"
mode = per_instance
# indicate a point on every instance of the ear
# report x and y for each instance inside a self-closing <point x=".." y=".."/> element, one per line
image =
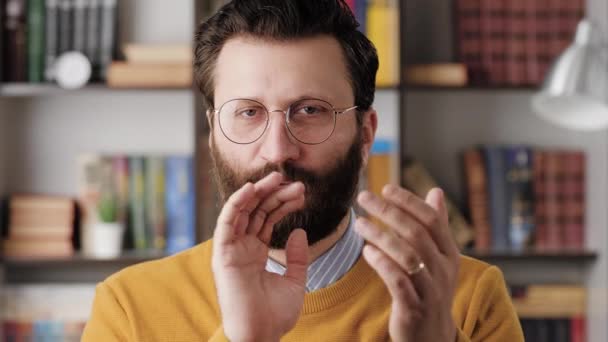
<point x="368" y="133"/>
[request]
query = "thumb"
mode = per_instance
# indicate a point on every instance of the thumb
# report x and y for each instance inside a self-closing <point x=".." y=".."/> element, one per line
<point x="297" y="256"/>
<point x="436" y="199"/>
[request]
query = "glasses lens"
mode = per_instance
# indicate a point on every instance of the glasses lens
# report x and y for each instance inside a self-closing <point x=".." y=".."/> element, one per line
<point x="311" y="121"/>
<point x="243" y="121"/>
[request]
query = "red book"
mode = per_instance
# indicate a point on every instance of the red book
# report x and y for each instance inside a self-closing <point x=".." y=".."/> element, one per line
<point x="493" y="43"/>
<point x="478" y="198"/>
<point x="469" y="38"/>
<point x="543" y="37"/>
<point x="516" y="42"/>
<point x="552" y="183"/>
<point x="532" y="30"/>
<point x="573" y="203"/>
<point x="578" y="331"/>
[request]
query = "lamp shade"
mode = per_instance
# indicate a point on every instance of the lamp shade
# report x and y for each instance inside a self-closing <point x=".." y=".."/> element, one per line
<point x="575" y="92"/>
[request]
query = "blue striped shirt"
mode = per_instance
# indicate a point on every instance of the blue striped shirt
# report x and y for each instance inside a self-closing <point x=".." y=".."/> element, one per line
<point x="331" y="265"/>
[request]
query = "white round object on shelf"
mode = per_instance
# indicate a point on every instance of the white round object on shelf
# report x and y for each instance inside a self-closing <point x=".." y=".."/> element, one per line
<point x="72" y="70"/>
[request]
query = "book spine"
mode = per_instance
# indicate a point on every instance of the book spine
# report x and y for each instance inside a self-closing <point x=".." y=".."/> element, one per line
<point x="543" y="37"/>
<point x="65" y="26"/>
<point x="578" y="332"/>
<point x="3" y="50"/>
<point x="120" y="169"/>
<point x="137" y="202"/>
<point x="469" y="41"/>
<point x="573" y="195"/>
<point x="179" y="202"/>
<point x="51" y="49"/>
<point x="519" y="197"/>
<point x="516" y="42"/>
<point x="79" y="32"/>
<point x="361" y="14"/>
<point x="107" y="36"/>
<point x="478" y="198"/>
<point x="485" y="26"/>
<point x="552" y="206"/>
<point x="93" y="31"/>
<point x="155" y="201"/>
<point x="16" y="41"/>
<point x="35" y="40"/>
<point x="496" y="173"/>
<point x="531" y="43"/>
<point x="383" y="30"/>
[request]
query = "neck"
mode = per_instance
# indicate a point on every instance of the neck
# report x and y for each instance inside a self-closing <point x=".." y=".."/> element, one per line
<point x="318" y="248"/>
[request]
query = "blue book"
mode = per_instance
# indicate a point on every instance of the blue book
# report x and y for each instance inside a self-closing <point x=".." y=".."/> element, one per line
<point x="179" y="203"/>
<point x="497" y="188"/>
<point x="519" y="194"/>
<point x="361" y="13"/>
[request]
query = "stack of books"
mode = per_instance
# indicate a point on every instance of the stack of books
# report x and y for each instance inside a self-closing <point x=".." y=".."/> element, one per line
<point x="40" y="227"/>
<point x="153" y="66"/>
<point x="514" y="42"/>
<point x="551" y="312"/>
<point x="525" y="198"/>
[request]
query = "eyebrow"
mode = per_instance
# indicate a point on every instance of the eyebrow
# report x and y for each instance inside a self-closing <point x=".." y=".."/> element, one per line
<point x="290" y="100"/>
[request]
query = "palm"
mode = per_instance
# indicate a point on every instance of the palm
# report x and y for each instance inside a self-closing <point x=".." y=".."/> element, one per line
<point x="254" y="302"/>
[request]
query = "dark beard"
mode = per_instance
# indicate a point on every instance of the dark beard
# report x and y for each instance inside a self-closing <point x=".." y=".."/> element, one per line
<point x="328" y="196"/>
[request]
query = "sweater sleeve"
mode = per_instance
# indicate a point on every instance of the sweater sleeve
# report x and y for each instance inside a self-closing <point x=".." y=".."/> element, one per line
<point x="108" y="321"/>
<point x="493" y="312"/>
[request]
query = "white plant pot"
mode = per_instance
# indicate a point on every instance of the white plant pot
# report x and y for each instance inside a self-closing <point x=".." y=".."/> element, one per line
<point x="103" y="240"/>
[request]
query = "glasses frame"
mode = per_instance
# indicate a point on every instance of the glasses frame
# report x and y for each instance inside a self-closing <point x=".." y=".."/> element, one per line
<point x="286" y="112"/>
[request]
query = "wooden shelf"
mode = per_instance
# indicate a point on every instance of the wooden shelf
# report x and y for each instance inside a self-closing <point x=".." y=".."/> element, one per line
<point x="415" y="88"/>
<point x="42" y="89"/>
<point x="77" y="268"/>
<point x="513" y="256"/>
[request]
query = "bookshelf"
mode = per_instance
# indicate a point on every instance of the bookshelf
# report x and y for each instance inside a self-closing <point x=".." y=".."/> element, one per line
<point x="440" y="122"/>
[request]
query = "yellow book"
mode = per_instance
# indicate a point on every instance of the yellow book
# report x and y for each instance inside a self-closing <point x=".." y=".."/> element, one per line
<point x="383" y="30"/>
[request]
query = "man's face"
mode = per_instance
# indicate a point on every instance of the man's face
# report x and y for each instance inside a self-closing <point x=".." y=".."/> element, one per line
<point x="277" y="74"/>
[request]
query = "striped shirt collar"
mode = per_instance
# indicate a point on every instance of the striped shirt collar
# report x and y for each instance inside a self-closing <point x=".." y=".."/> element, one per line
<point x="333" y="264"/>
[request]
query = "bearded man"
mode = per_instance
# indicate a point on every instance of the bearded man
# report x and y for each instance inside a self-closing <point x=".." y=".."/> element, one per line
<point x="290" y="84"/>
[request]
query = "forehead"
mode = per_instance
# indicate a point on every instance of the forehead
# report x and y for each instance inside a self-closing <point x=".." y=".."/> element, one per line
<point x="269" y="70"/>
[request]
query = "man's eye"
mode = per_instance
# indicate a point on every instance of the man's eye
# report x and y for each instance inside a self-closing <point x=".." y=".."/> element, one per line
<point x="249" y="112"/>
<point x="309" y="110"/>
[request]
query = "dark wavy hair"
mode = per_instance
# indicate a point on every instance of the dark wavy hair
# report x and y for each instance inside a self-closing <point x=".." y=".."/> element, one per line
<point x="284" y="20"/>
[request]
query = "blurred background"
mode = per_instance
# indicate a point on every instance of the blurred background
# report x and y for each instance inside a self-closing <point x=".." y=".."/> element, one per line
<point x="104" y="158"/>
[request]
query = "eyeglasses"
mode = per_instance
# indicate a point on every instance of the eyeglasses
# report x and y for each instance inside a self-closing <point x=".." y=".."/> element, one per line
<point x="309" y="121"/>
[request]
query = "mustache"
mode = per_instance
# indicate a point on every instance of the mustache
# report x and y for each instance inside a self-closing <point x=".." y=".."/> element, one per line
<point x="289" y="172"/>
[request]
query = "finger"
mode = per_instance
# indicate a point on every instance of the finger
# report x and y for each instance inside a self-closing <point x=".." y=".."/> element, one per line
<point x="297" y="257"/>
<point x="263" y="187"/>
<point x="400" y="251"/>
<point x="272" y="202"/>
<point x="286" y="208"/>
<point x="436" y="199"/>
<point x="422" y="211"/>
<point x="415" y="289"/>
<point x="404" y="225"/>
<point x="226" y="222"/>
<point x="397" y="282"/>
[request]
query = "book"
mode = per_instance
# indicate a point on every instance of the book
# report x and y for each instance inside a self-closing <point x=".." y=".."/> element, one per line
<point x="469" y="38"/>
<point x="155" y="201"/>
<point x="107" y="37"/>
<point x="519" y="197"/>
<point x="51" y="48"/>
<point x="125" y="75"/>
<point x="418" y="180"/>
<point x="573" y="200"/>
<point x="516" y="37"/>
<point x="79" y="33"/>
<point x="361" y="14"/>
<point x="477" y="189"/>
<point x="179" y="203"/>
<point x="497" y="188"/>
<point x="35" y="40"/>
<point x="137" y="203"/>
<point x="15" y="31"/>
<point x="65" y="43"/>
<point x="382" y="29"/>
<point x="438" y="75"/>
<point x="93" y="30"/>
<point x="158" y="53"/>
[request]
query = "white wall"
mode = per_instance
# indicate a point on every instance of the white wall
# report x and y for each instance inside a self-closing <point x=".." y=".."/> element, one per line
<point x="49" y="133"/>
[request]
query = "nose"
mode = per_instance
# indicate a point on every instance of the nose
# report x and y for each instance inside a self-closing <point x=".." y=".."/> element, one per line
<point x="278" y="145"/>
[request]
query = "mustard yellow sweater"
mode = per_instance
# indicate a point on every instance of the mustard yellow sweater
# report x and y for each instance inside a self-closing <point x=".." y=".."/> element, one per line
<point x="174" y="299"/>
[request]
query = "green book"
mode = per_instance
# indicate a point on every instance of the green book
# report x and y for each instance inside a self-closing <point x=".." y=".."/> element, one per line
<point x="35" y="40"/>
<point x="137" y="202"/>
<point x="155" y="201"/>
